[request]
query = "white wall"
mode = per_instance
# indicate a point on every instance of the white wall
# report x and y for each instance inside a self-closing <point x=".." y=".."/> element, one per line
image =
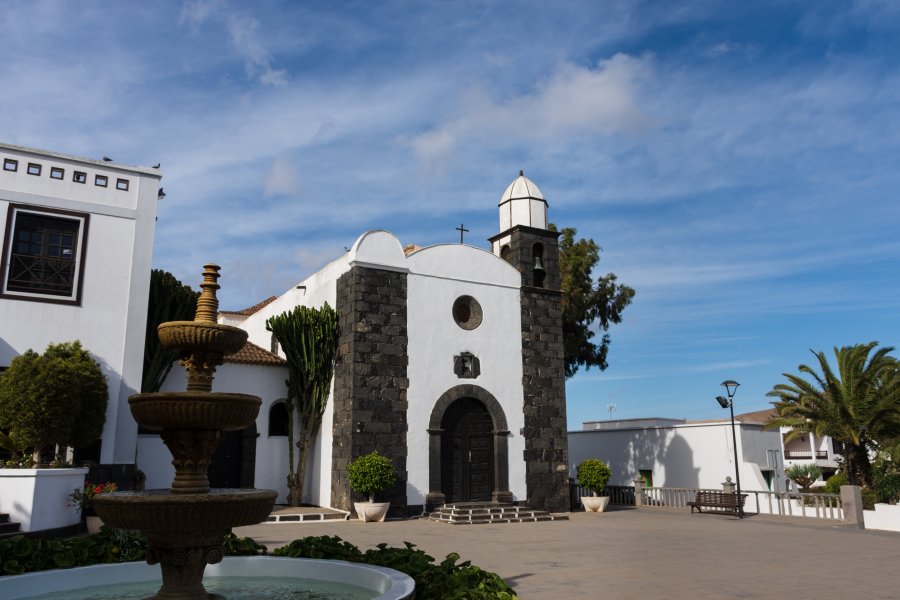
<point x="111" y="319"/>
<point x="267" y="382"/>
<point x="885" y="516"/>
<point x="693" y="455"/>
<point x="438" y="276"/>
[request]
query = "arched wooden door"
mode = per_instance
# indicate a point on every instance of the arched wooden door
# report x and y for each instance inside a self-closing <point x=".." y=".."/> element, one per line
<point x="467" y="452"/>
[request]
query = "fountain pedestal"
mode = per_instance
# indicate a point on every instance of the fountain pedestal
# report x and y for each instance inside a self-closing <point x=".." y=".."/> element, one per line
<point x="187" y="523"/>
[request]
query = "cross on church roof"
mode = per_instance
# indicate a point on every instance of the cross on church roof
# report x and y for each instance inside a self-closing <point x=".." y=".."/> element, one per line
<point x="461" y="229"/>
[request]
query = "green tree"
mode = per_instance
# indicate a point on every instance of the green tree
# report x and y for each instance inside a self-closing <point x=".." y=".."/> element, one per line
<point x="309" y="339"/>
<point x="803" y="475"/>
<point x="857" y="405"/>
<point x="170" y="300"/>
<point x="55" y="398"/>
<point x="585" y="303"/>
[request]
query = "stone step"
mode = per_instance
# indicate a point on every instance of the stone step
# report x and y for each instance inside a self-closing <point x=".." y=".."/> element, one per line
<point x="7" y="527"/>
<point x="473" y="513"/>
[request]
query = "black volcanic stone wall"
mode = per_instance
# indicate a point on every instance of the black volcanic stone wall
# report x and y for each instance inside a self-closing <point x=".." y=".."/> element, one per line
<point x="546" y="441"/>
<point x="370" y="379"/>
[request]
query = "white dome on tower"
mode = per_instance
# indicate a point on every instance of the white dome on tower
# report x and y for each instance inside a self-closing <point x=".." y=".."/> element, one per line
<point x="522" y="204"/>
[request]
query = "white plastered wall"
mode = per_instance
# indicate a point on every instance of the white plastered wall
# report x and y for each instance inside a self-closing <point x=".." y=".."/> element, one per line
<point x="110" y="320"/>
<point x="692" y="455"/>
<point x="439" y="275"/>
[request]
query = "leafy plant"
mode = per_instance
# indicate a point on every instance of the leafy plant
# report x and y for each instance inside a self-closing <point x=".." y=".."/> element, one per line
<point x="804" y="475"/>
<point x="83" y="498"/>
<point x="23" y="555"/>
<point x="587" y="306"/>
<point x="833" y="484"/>
<point x="593" y="474"/>
<point x="370" y="474"/>
<point x="55" y="398"/>
<point x="447" y="580"/>
<point x="323" y="546"/>
<point x="309" y="339"/>
<point x="888" y="488"/>
<point x="170" y="300"/>
<point x="242" y="546"/>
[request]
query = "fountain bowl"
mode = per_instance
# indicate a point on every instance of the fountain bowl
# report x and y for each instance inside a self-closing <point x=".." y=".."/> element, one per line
<point x="194" y="410"/>
<point x="201" y="336"/>
<point x="387" y="584"/>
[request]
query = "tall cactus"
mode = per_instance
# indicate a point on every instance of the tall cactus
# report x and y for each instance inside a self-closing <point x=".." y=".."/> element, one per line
<point x="309" y="339"/>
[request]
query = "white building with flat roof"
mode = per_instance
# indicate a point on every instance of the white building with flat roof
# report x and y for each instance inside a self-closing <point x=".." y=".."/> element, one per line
<point x="77" y="244"/>
<point x="681" y="453"/>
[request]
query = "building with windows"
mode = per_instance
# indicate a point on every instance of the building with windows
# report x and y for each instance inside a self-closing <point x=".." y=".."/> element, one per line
<point x="450" y="363"/>
<point x="77" y="243"/>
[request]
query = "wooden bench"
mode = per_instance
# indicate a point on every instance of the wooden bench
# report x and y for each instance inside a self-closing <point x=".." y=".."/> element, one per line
<point x="722" y="501"/>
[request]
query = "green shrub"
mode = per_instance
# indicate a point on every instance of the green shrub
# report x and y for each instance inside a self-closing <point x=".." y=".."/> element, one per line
<point x="869" y="498"/>
<point x="23" y="555"/>
<point x="834" y="483"/>
<point x="888" y="488"/>
<point x="370" y="474"/>
<point x="58" y="397"/>
<point x="593" y="475"/>
<point x="448" y="580"/>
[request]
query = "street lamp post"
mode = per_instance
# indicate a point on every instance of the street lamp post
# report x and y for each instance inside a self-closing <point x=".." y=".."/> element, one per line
<point x="731" y="387"/>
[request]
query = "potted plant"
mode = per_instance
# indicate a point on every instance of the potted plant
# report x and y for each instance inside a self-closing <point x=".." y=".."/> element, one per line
<point x="84" y="499"/>
<point x="593" y="475"/>
<point x="370" y="474"/>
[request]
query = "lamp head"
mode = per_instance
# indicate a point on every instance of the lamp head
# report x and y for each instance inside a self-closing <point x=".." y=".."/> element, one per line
<point x="731" y="386"/>
<point x="723" y="401"/>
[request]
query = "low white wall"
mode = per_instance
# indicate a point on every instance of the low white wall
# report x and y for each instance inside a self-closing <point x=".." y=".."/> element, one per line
<point x="885" y="516"/>
<point x="38" y="499"/>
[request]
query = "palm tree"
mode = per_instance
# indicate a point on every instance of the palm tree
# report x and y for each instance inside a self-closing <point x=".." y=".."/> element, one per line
<point x="859" y="405"/>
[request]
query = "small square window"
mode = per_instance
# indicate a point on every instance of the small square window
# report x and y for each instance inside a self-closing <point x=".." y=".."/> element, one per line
<point x="57" y="172"/>
<point x="101" y="180"/>
<point x="34" y="169"/>
<point x="122" y="184"/>
<point x="10" y="165"/>
<point x="79" y="177"/>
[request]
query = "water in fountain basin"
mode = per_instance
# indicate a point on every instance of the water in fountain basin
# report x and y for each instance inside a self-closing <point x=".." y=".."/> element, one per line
<point x="233" y="588"/>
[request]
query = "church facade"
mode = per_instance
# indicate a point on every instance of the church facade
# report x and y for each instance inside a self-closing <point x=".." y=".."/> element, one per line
<point x="450" y="363"/>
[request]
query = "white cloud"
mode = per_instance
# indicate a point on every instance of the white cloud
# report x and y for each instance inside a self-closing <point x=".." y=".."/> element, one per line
<point x="197" y="12"/>
<point x="572" y="101"/>
<point x="244" y="32"/>
<point x="282" y="179"/>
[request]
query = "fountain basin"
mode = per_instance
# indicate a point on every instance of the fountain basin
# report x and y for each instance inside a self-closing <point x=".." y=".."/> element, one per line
<point x="194" y="410"/>
<point x="386" y="584"/>
<point x="155" y="511"/>
<point x="202" y="336"/>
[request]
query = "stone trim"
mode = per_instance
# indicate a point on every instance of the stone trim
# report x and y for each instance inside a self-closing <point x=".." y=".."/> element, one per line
<point x="501" y="493"/>
<point x="370" y="379"/>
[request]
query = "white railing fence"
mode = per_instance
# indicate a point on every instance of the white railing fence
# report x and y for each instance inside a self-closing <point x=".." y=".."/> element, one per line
<point x="791" y="504"/>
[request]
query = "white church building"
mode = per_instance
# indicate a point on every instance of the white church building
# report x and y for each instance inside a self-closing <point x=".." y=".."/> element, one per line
<point x="450" y="363"/>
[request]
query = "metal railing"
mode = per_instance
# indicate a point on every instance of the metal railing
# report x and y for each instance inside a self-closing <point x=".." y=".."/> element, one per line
<point x="808" y="455"/>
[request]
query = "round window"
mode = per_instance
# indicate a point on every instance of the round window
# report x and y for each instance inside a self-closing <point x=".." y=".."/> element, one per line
<point x="467" y="312"/>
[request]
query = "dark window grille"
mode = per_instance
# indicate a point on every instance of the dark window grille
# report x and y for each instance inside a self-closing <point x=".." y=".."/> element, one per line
<point x="43" y="255"/>
<point x="57" y="172"/>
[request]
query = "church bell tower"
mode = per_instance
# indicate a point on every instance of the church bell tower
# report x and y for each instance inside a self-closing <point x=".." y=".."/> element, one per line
<point x="528" y="245"/>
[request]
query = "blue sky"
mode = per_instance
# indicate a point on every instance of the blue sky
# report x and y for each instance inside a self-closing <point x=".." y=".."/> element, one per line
<point x="737" y="161"/>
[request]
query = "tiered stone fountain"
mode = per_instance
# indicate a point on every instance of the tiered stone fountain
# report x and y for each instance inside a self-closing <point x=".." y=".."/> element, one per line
<point x="187" y="523"/>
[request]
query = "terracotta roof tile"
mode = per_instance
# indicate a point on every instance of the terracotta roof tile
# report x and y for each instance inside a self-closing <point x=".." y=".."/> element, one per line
<point x="253" y="309"/>
<point x="410" y="248"/>
<point x="251" y="354"/>
<point x="760" y="416"/>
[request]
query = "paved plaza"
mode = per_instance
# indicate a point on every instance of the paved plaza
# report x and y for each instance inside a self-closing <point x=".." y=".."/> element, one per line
<point x="647" y="554"/>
